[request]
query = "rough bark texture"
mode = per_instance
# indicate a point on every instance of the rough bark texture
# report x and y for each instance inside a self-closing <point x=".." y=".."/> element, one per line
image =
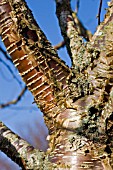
<point x="20" y="151"/>
<point x="77" y="103"/>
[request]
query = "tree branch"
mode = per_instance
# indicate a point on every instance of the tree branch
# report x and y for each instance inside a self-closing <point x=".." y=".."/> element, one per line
<point x="7" y="147"/>
<point x="101" y="73"/>
<point x="103" y="35"/>
<point x="16" y="100"/>
<point x="37" y="61"/>
<point x="63" y="11"/>
<point x="60" y="45"/>
<point x="71" y="29"/>
<point x="99" y="12"/>
<point x="20" y="151"/>
<point x="23" y="153"/>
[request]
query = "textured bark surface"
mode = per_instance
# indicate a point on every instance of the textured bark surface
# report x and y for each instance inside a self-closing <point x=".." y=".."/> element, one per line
<point x="19" y="150"/>
<point x="77" y="103"/>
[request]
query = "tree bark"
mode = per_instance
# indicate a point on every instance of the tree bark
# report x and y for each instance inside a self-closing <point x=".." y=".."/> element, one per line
<point x="77" y="103"/>
<point x="19" y="150"/>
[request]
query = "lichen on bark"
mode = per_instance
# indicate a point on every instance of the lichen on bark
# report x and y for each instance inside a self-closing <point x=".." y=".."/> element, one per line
<point x="77" y="103"/>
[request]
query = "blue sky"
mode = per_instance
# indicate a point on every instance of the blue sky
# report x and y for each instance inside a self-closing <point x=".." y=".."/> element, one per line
<point x="24" y="118"/>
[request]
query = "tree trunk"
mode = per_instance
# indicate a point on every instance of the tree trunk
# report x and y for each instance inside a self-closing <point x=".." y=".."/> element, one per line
<point x="77" y="103"/>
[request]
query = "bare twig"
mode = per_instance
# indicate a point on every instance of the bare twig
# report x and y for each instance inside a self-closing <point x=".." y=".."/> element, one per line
<point x="99" y="12"/>
<point x="10" y="70"/>
<point x="82" y="31"/>
<point x="16" y="100"/>
<point x="5" y="54"/>
<point x="60" y="45"/>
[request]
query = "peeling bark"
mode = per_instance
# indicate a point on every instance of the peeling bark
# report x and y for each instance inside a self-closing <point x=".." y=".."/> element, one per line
<point x="77" y="103"/>
<point x="20" y="151"/>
